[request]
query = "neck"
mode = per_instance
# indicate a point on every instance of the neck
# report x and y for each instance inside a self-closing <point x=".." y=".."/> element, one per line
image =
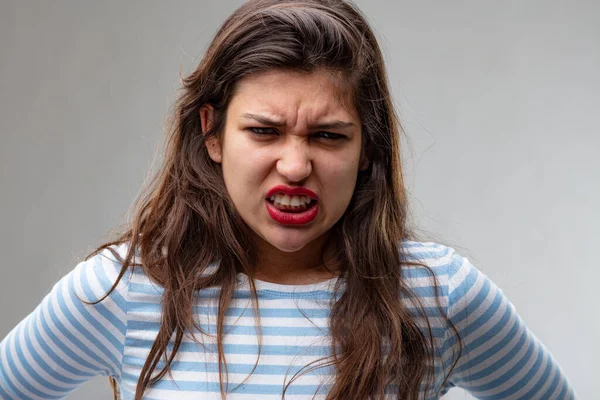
<point x="305" y="266"/>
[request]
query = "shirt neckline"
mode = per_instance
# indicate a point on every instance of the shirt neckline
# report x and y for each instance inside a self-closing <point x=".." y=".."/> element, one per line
<point x="327" y="285"/>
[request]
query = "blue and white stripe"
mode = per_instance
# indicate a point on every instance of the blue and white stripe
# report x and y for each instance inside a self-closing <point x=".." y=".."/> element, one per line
<point x="65" y="342"/>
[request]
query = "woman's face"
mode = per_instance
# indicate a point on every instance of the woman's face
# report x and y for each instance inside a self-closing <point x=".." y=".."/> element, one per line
<point x="290" y="155"/>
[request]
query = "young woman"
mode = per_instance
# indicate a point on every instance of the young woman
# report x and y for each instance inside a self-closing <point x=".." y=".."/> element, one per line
<point x="270" y="257"/>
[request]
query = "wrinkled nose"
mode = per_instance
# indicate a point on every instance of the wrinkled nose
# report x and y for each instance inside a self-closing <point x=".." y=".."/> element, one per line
<point x="294" y="162"/>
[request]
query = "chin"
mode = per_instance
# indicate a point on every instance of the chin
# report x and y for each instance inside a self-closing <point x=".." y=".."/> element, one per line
<point x="287" y="241"/>
<point x="288" y="246"/>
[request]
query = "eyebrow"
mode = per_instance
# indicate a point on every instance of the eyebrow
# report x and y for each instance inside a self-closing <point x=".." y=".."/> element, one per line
<point x="275" y="123"/>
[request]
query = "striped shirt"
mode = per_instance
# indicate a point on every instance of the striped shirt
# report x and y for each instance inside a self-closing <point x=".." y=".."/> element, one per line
<point x="65" y="342"/>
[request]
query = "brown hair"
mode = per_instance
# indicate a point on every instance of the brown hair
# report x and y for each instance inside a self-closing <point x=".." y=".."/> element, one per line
<point x="376" y="340"/>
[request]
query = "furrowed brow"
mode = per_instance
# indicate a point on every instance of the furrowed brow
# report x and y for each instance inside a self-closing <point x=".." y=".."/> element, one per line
<point x="331" y="125"/>
<point x="264" y="120"/>
<point x="271" y="122"/>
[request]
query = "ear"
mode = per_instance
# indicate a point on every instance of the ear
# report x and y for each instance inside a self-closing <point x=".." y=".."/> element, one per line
<point x="365" y="158"/>
<point x="207" y="114"/>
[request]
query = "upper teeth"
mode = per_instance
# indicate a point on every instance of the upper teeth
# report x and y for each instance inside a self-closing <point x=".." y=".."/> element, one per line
<point x="286" y="200"/>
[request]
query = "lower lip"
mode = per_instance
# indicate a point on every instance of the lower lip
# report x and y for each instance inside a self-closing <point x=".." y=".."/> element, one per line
<point x="287" y="218"/>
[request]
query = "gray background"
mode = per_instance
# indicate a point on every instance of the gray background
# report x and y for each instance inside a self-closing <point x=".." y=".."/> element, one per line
<point x="499" y="100"/>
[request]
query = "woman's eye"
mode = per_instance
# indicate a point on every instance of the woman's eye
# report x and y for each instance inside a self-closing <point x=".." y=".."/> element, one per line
<point x="263" y="131"/>
<point x="272" y="131"/>
<point x="329" y="135"/>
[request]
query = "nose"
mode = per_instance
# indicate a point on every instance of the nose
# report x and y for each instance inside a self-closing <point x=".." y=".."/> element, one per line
<point x="294" y="161"/>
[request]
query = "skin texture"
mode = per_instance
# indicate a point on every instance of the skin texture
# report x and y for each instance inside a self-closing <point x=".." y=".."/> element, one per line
<point x="290" y="150"/>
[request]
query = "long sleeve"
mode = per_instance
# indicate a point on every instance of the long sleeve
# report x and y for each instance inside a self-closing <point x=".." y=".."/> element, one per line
<point x="64" y="341"/>
<point x="501" y="358"/>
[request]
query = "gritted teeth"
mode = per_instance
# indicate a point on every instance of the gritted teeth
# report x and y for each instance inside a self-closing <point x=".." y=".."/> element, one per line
<point x="293" y="201"/>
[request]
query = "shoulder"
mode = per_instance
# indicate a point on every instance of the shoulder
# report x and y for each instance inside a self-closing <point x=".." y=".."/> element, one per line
<point x="95" y="276"/>
<point x="467" y="293"/>
<point x="456" y="278"/>
<point x="444" y="262"/>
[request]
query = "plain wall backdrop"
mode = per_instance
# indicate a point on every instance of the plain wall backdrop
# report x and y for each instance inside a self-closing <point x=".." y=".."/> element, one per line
<point x="499" y="100"/>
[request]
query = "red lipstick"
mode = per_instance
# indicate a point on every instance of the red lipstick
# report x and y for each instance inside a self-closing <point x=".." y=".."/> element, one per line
<point x="292" y="218"/>
<point x="292" y="191"/>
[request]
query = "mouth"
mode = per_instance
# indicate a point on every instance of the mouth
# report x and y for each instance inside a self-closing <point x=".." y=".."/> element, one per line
<point x="288" y="206"/>
<point x="292" y="204"/>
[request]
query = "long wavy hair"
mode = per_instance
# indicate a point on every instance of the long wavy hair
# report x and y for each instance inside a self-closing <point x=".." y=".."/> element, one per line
<point x="186" y="221"/>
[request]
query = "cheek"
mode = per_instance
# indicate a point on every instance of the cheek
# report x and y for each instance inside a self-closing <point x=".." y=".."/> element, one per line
<point x="244" y="169"/>
<point x="339" y="179"/>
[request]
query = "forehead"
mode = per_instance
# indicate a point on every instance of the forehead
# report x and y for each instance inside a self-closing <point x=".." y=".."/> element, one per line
<point x="294" y="95"/>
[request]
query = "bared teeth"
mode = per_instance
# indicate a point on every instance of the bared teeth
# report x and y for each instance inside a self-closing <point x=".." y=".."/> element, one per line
<point x="285" y="202"/>
<point x="290" y="208"/>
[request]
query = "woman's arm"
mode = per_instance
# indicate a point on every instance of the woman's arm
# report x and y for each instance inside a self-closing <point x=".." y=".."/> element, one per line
<point x="501" y="358"/>
<point x="65" y="342"/>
